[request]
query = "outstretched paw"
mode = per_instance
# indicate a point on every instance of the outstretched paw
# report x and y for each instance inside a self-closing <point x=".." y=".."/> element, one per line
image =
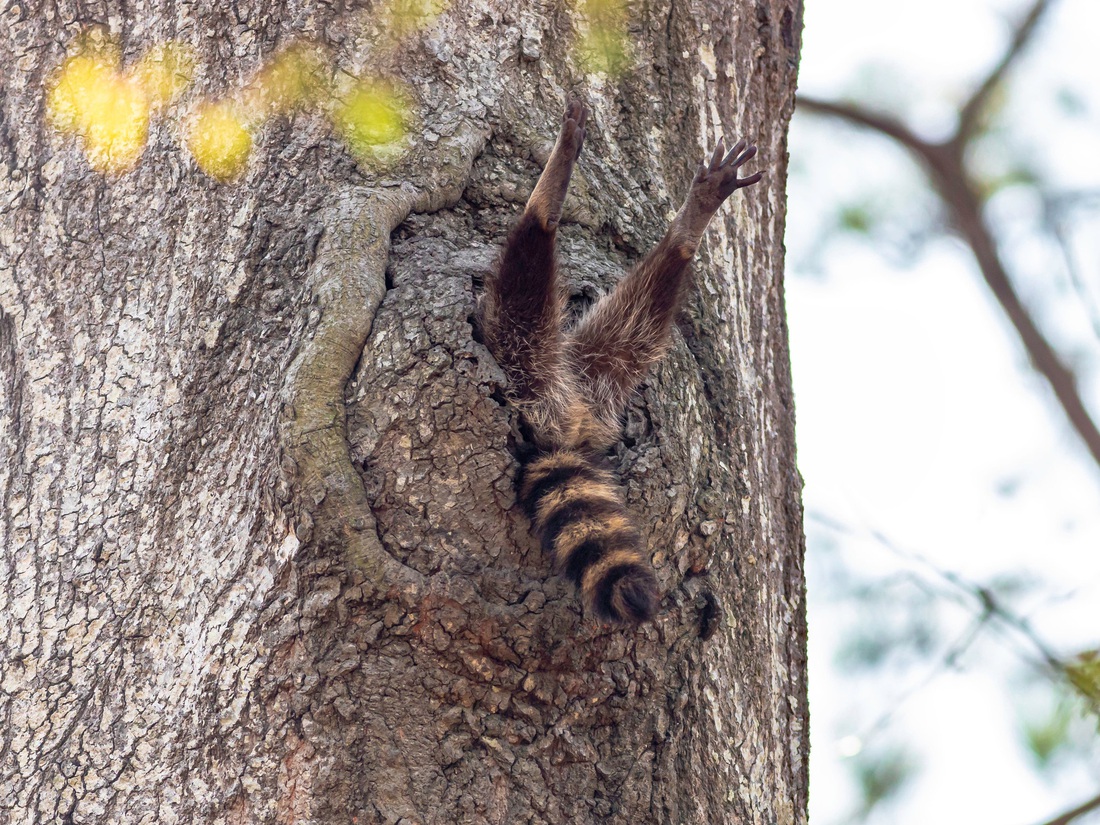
<point x="548" y="198"/>
<point x="571" y="138"/>
<point x="717" y="179"/>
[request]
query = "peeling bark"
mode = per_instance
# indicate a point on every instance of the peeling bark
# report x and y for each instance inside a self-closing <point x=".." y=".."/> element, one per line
<point x="259" y="554"/>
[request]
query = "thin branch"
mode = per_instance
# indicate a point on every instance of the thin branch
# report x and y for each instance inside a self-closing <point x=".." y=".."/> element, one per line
<point x="885" y="124"/>
<point x="992" y="606"/>
<point x="987" y="602"/>
<point x="966" y="210"/>
<point x="1080" y="810"/>
<point x="972" y="109"/>
<point x="944" y="165"/>
<point x="947" y="661"/>
<point x="1058" y="224"/>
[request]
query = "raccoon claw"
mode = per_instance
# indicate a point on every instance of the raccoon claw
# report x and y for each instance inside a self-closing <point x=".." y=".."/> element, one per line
<point x="716" y="179"/>
<point x="573" y="127"/>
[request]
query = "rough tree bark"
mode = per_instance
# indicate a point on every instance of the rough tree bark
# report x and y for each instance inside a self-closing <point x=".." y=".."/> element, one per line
<point x="259" y="559"/>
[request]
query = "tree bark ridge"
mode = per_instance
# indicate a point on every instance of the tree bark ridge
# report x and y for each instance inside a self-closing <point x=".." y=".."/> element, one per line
<point x="213" y="620"/>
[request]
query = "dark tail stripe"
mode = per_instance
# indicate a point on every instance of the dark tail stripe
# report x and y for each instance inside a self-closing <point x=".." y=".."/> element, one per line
<point x="591" y="551"/>
<point x="587" y="505"/>
<point x="605" y="589"/>
<point x="633" y="595"/>
<point x="563" y="516"/>
<point x="549" y="480"/>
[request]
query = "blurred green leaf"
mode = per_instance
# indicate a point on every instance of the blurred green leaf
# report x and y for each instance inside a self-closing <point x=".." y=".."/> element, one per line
<point x="989" y="118"/>
<point x="989" y="185"/>
<point x="1059" y="720"/>
<point x="1011" y="583"/>
<point x="1071" y="102"/>
<point x="1084" y="675"/>
<point x="874" y="642"/>
<point x="603" y="45"/>
<point x="881" y="774"/>
<point x="856" y="218"/>
<point x="1047" y="737"/>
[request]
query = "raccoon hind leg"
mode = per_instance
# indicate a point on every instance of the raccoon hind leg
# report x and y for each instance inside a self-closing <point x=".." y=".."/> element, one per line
<point x="521" y="309"/>
<point x="627" y="331"/>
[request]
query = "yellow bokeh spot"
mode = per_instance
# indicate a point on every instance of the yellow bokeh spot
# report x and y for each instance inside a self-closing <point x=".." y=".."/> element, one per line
<point x="603" y="46"/>
<point x="117" y="129"/>
<point x="77" y="89"/>
<point x="292" y="80"/>
<point x="407" y="16"/>
<point x="604" y="50"/>
<point x="164" y="72"/>
<point x="371" y="115"/>
<point x="89" y="96"/>
<point x="603" y="13"/>
<point x="219" y="141"/>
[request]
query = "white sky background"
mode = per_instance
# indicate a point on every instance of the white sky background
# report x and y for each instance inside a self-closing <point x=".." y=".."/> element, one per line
<point x="917" y="414"/>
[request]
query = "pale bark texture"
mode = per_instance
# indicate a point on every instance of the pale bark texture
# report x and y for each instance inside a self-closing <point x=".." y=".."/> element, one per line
<point x="259" y="555"/>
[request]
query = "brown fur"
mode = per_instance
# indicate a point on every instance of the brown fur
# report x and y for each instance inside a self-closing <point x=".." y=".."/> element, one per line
<point x="571" y="387"/>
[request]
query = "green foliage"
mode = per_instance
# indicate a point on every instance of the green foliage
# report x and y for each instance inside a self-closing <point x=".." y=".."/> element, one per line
<point x="996" y="162"/>
<point x="856" y="218"/>
<point x="1016" y="175"/>
<point x="1049" y="736"/>
<point x="603" y="45"/>
<point x="881" y="774"/>
<point x="871" y="644"/>
<point x="895" y="220"/>
<point x="898" y="623"/>
<point x="991" y="116"/>
<point x="1010" y="584"/>
<point x="1058" y="724"/>
<point x="1084" y="675"/>
<point x="1071" y="102"/>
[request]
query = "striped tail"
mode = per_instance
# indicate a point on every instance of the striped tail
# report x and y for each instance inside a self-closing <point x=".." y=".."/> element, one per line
<point x="576" y="510"/>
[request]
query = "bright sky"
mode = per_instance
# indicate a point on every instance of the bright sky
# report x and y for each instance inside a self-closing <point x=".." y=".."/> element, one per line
<point x="917" y="415"/>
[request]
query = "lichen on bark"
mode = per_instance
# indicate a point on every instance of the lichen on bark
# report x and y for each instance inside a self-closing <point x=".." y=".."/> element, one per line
<point x="242" y="588"/>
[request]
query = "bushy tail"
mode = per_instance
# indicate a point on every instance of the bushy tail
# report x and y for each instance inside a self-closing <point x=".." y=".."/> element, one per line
<point x="577" y="511"/>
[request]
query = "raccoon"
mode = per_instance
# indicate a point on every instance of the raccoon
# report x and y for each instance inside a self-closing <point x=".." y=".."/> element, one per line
<point x="571" y="385"/>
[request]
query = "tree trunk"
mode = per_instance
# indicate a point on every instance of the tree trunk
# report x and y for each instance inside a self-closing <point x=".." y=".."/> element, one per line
<point x="260" y="555"/>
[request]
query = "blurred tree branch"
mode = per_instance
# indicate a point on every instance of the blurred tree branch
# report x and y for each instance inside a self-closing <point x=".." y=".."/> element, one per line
<point x="1021" y="37"/>
<point x="986" y="604"/>
<point x="1074" y="813"/>
<point x="990" y="611"/>
<point x="1056" y="211"/>
<point x="946" y="168"/>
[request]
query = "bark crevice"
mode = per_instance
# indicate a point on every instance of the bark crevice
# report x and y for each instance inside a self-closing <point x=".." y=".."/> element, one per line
<point x="348" y="281"/>
<point x="242" y="588"/>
